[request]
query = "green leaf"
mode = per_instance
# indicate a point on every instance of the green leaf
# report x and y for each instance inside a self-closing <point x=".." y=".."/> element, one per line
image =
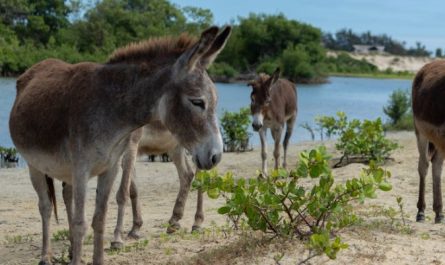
<point x="224" y="210"/>
<point x="213" y="193"/>
<point x="385" y="186"/>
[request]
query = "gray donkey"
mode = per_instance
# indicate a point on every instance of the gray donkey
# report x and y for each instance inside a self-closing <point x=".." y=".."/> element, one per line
<point x="73" y="122"/>
<point x="273" y="105"/>
<point x="153" y="139"/>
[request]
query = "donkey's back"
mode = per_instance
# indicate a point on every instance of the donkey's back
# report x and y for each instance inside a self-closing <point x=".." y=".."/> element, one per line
<point x="45" y="93"/>
<point x="51" y="102"/>
<point x="284" y="100"/>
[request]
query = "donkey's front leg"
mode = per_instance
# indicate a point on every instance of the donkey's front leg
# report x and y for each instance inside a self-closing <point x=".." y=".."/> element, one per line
<point x="104" y="185"/>
<point x="79" y="227"/>
<point x="437" y="162"/>
<point x="262" y="133"/>
<point x="185" y="175"/>
<point x="276" y="134"/>
<point x="38" y="180"/>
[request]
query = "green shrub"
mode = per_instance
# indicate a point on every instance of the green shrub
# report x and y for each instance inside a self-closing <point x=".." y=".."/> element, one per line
<point x="398" y="104"/>
<point x="281" y="206"/>
<point x="234" y="130"/>
<point x="358" y="139"/>
<point x="267" y="67"/>
<point x="222" y="70"/>
<point x="296" y="65"/>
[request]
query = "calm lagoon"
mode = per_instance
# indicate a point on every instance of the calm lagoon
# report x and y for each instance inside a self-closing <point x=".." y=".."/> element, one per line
<point x="361" y="98"/>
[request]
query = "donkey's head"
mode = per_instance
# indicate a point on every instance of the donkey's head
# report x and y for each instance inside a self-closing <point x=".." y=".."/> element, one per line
<point x="260" y="97"/>
<point x="188" y="108"/>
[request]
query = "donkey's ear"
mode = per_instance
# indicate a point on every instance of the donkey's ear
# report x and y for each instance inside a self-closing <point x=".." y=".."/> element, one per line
<point x="217" y="46"/>
<point x="189" y="59"/>
<point x="275" y="76"/>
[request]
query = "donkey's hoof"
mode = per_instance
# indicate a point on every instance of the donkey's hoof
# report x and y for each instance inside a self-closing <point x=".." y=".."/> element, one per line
<point x="420" y="217"/>
<point x="134" y="235"/>
<point x="439" y="219"/>
<point x="196" y="229"/>
<point x="173" y="228"/>
<point x="116" y="245"/>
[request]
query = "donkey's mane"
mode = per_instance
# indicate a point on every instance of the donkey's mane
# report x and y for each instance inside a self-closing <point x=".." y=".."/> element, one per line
<point x="261" y="78"/>
<point x="144" y="51"/>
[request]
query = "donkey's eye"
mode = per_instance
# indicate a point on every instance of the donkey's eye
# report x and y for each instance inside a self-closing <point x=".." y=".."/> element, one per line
<point x="198" y="103"/>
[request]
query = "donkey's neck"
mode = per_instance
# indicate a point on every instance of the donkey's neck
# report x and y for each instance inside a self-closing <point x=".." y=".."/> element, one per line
<point x="133" y="92"/>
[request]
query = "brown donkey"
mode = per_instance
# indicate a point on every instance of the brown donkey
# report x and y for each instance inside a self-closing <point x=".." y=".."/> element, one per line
<point x="73" y="122"/>
<point x="273" y="104"/>
<point x="153" y="139"/>
<point x="428" y="96"/>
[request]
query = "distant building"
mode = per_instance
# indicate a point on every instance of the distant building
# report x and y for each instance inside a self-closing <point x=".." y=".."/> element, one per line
<point x="365" y="49"/>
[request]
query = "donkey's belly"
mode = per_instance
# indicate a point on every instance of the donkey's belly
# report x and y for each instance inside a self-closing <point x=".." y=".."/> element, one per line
<point x="60" y="167"/>
<point x="156" y="142"/>
<point x="54" y="165"/>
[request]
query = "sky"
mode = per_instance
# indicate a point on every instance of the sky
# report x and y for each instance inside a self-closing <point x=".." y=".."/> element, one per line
<point x="403" y="20"/>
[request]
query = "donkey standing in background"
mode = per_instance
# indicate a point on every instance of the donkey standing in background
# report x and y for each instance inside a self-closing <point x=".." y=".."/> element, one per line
<point x="273" y="104"/>
<point x="153" y="139"/>
<point x="73" y="122"/>
<point x="428" y="96"/>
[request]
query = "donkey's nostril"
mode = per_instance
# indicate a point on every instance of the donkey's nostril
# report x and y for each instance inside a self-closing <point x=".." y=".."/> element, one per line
<point x="216" y="158"/>
<point x="256" y="126"/>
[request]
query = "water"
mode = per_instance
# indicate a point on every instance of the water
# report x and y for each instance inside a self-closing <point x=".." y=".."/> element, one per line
<point x="7" y="96"/>
<point x="360" y="98"/>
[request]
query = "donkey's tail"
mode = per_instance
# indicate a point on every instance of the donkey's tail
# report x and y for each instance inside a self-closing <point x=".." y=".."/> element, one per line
<point x="52" y="195"/>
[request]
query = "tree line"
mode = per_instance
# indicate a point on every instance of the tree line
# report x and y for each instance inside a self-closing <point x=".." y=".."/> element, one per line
<point x="32" y="30"/>
<point x="344" y="40"/>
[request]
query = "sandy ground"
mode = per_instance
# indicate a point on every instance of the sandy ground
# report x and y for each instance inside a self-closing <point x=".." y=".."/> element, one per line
<point x="377" y="240"/>
<point x="396" y="63"/>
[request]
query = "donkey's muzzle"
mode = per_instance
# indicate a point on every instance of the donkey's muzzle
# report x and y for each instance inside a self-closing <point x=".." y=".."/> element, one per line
<point x="208" y="163"/>
<point x="256" y="126"/>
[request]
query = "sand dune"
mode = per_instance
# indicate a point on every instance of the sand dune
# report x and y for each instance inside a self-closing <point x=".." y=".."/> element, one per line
<point x="377" y="240"/>
<point x="396" y="63"/>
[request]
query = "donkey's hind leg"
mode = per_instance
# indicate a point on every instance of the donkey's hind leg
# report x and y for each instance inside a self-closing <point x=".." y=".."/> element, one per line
<point x="127" y="181"/>
<point x="289" y="128"/>
<point x="422" y="145"/>
<point x="67" y="193"/>
<point x="186" y="175"/>
<point x="136" y="210"/>
<point x="199" y="215"/>
<point x="40" y="185"/>
<point x="437" y="163"/>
